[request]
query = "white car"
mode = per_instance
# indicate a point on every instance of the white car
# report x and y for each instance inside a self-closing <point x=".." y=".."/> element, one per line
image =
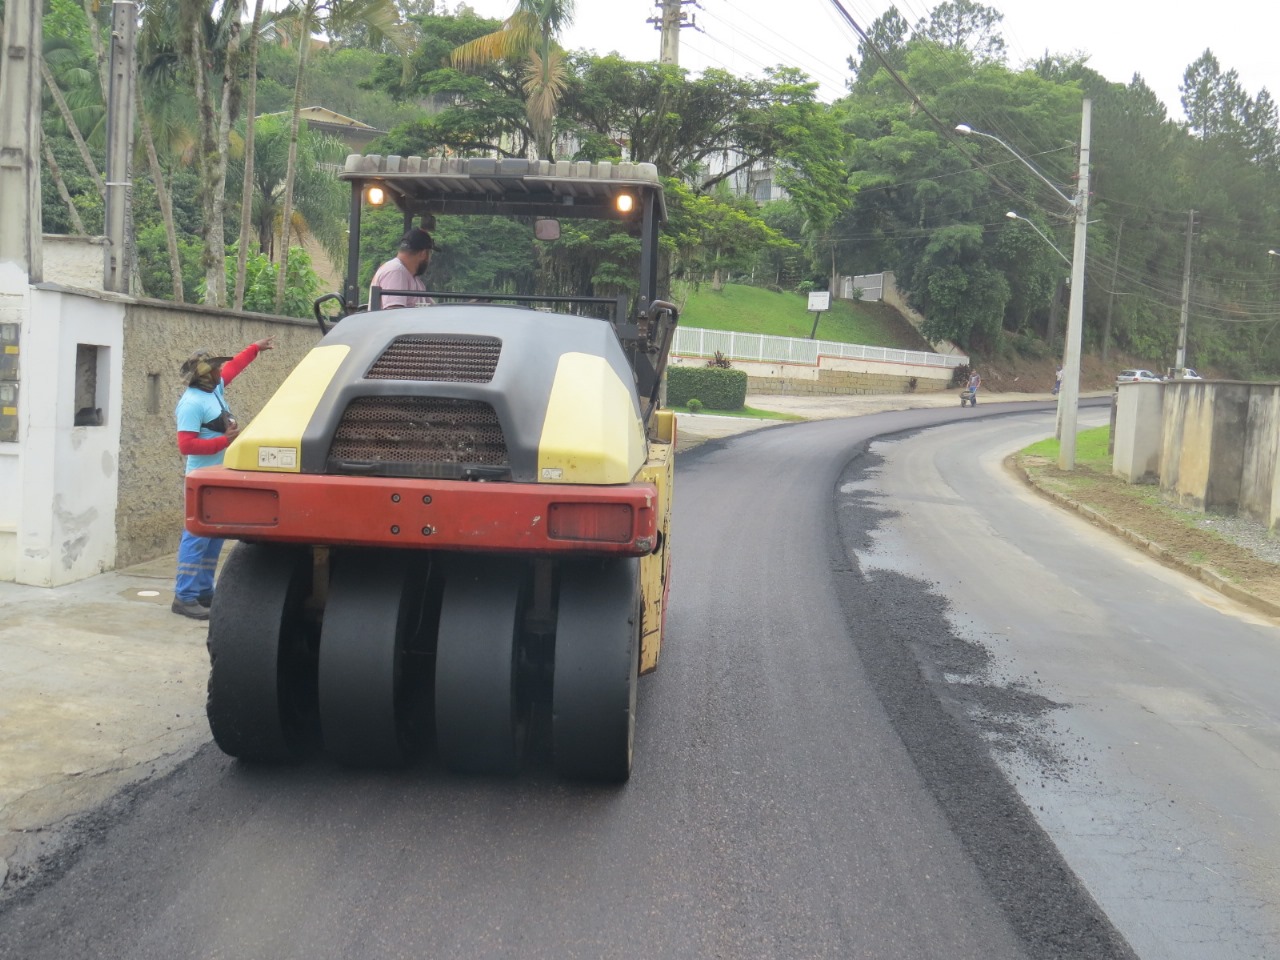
<point x="1137" y="376"/>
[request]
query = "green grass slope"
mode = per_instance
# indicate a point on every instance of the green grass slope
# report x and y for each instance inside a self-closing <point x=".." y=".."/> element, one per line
<point x="757" y="310"/>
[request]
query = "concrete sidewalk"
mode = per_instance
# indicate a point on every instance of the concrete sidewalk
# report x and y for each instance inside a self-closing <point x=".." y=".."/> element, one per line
<point x="101" y="685"/>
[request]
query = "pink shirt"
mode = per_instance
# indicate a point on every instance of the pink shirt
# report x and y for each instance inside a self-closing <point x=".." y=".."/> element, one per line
<point x="394" y="275"/>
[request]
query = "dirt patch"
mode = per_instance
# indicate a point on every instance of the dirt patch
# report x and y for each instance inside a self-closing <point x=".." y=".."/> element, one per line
<point x="1182" y="538"/>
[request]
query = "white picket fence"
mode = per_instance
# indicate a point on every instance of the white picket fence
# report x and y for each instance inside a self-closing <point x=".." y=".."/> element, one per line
<point x="696" y="342"/>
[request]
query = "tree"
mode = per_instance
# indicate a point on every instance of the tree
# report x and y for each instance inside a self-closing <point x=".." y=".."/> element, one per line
<point x="886" y="41"/>
<point x="529" y="36"/>
<point x="382" y="18"/>
<point x="963" y="24"/>
<point x="320" y="208"/>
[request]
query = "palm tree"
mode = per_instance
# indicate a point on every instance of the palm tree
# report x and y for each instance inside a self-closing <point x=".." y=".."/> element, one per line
<point x="529" y="34"/>
<point x="382" y="18"/>
<point x="320" y="200"/>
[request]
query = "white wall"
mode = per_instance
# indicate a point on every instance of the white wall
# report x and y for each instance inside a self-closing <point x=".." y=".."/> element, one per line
<point x="60" y="489"/>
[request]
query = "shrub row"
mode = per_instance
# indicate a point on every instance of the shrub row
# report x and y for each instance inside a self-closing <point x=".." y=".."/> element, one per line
<point x="717" y="388"/>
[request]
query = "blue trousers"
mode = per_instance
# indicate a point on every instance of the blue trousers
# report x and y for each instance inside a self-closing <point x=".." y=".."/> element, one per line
<point x="197" y="563"/>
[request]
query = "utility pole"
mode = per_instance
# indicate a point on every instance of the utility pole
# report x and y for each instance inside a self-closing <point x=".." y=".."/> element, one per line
<point x="671" y="22"/>
<point x="118" y="255"/>
<point x="1069" y="395"/>
<point x="21" y="227"/>
<point x="1180" y="360"/>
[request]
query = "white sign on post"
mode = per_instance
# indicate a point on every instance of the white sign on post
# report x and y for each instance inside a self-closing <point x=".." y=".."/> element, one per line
<point x="820" y="300"/>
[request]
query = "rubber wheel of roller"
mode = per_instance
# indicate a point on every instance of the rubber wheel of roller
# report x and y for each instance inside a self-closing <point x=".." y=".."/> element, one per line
<point x="260" y="681"/>
<point x="373" y="612"/>
<point x="597" y="657"/>
<point x="480" y="717"/>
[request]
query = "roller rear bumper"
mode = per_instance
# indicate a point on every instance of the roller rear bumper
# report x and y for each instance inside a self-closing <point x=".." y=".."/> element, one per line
<point x="416" y="513"/>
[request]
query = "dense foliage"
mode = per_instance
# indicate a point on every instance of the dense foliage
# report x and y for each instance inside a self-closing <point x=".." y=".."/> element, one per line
<point x="879" y="180"/>
<point x="716" y="387"/>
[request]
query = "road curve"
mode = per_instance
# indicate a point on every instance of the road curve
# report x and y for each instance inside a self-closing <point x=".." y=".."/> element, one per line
<point x="783" y="805"/>
<point x="1136" y="709"/>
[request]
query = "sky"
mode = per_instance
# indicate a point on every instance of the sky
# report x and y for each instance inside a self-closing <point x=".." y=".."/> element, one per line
<point x="1122" y="37"/>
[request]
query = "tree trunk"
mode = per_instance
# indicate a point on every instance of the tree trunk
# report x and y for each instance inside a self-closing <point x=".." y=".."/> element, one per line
<point x="214" y="133"/>
<point x="1055" y="311"/>
<point x="246" y="195"/>
<point x="286" y="212"/>
<point x="73" y="128"/>
<point x="162" y="196"/>
<point x="62" y="188"/>
<point x="230" y="77"/>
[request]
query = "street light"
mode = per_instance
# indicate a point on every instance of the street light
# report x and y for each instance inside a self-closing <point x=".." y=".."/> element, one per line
<point x="1069" y="396"/>
<point x="968" y="131"/>
<point x="1013" y="216"/>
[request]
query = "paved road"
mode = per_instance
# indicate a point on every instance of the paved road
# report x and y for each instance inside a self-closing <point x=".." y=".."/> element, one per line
<point x="1138" y="711"/>
<point x="799" y="792"/>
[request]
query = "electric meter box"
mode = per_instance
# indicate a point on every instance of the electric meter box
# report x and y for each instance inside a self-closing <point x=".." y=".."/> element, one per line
<point x="9" y="352"/>
<point x="8" y="412"/>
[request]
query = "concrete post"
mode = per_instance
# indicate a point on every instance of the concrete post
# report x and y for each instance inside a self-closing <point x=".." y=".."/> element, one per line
<point x="21" y="226"/>
<point x="1069" y="395"/>
<point x="118" y="256"/>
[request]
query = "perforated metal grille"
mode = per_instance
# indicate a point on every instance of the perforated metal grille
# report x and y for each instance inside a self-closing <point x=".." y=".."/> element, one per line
<point x="421" y="431"/>
<point x="456" y="359"/>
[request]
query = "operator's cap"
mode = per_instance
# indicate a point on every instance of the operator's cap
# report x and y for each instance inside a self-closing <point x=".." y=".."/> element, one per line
<point x="201" y="366"/>
<point x="416" y="240"/>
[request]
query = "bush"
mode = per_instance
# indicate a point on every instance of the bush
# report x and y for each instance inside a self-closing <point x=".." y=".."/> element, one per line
<point x="717" y="388"/>
<point x="960" y="375"/>
<point x="694" y="405"/>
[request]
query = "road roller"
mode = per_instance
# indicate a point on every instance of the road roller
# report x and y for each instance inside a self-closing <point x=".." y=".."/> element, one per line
<point x="453" y="519"/>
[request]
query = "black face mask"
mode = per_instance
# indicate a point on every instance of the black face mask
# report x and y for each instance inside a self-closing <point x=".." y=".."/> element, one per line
<point x="423" y="268"/>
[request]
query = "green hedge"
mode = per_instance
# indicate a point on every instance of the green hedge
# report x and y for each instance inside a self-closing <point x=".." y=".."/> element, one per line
<point x="717" y="388"/>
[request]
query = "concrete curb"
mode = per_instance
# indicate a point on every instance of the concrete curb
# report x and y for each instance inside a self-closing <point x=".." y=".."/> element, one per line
<point x="1209" y="578"/>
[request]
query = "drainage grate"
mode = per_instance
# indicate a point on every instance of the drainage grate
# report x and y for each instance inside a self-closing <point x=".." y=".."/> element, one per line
<point x="419" y="431"/>
<point x="454" y="359"/>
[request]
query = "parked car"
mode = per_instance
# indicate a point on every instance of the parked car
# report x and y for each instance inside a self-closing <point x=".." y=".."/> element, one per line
<point x="1137" y="376"/>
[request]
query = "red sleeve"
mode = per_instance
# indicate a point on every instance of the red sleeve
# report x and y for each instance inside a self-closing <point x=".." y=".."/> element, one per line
<point x="235" y="366"/>
<point x="190" y="444"/>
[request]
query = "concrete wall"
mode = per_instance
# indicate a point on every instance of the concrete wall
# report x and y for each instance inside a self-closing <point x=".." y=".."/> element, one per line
<point x="58" y="481"/>
<point x="1216" y="444"/>
<point x="76" y="500"/>
<point x="1139" y="421"/>
<point x="158" y="336"/>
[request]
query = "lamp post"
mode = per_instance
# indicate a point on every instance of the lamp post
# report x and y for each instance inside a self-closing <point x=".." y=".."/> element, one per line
<point x="1031" y="223"/>
<point x="1069" y="397"/>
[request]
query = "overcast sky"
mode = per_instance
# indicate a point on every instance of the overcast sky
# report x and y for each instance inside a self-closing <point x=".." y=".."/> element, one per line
<point x="1122" y="37"/>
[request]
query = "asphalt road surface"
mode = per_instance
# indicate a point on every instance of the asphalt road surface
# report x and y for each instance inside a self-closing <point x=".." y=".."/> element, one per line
<point x="1137" y="711"/>
<point x="807" y="783"/>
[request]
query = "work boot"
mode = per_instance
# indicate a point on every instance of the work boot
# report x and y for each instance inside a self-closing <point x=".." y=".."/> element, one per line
<point x="205" y="599"/>
<point x="189" y="608"/>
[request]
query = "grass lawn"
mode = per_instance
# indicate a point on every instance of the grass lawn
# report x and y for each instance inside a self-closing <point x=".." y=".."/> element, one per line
<point x="1091" y="449"/>
<point x="749" y="309"/>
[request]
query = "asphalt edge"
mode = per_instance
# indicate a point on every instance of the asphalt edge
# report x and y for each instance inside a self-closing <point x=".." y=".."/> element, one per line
<point x="1203" y="574"/>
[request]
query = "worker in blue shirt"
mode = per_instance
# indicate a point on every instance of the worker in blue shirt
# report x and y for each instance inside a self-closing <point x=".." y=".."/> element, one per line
<point x="206" y="428"/>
